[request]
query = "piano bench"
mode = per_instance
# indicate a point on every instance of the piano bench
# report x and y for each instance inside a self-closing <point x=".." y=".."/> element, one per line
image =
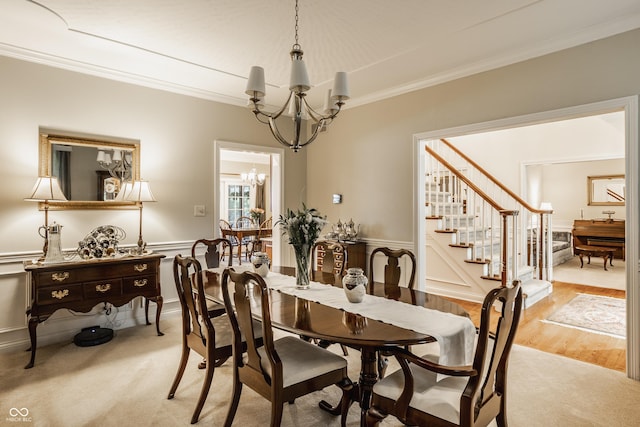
<point x="605" y="252"/>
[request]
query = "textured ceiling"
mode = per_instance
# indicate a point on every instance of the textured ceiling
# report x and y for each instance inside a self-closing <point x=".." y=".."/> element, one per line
<point x="205" y="48"/>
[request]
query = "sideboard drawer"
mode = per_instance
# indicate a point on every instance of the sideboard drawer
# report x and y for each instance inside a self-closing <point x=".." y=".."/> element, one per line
<point x="103" y="289"/>
<point x="59" y="294"/>
<point x="139" y="285"/>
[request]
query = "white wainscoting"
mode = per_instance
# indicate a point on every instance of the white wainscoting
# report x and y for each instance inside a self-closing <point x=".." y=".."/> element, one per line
<point x="64" y="324"/>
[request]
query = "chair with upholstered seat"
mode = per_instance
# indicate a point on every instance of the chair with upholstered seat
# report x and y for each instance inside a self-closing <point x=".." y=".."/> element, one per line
<point x="283" y="369"/>
<point x="214" y="255"/>
<point x="468" y="395"/>
<point x="209" y="337"/>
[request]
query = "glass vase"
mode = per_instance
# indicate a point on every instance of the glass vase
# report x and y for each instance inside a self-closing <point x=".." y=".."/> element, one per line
<point x="303" y="258"/>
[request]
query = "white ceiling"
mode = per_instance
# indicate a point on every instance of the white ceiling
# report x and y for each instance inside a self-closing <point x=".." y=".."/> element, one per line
<point x="205" y="48"/>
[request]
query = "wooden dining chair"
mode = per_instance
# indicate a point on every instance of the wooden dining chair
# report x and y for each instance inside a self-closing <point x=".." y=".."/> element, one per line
<point x="245" y="222"/>
<point x="216" y="251"/>
<point x="392" y="269"/>
<point x="392" y="273"/>
<point x="226" y="233"/>
<point x="210" y="337"/>
<point x="283" y="369"/>
<point x="266" y="230"/>
<point x="470" y="395"/>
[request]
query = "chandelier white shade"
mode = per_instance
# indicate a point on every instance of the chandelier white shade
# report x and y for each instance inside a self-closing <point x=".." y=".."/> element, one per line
<point x="296" y="105"/>
<point x="253" y="177"/>
<point x="117" y="162"/>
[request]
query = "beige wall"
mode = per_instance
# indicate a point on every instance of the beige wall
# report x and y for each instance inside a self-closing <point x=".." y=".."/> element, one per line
<point x="367" y="153"/>
<point x="176" y="134"/>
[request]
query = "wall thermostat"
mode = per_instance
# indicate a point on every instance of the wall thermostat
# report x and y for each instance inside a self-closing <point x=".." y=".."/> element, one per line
<point x="337" y="198"/>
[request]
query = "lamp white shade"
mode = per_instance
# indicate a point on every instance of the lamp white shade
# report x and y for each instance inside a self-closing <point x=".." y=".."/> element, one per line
<point x="100" y="157"/>
<point x="255" y="84"/>
<point x="125" y="189"/>
<point x="546" y="206"/>
<point x="299" y="80"/>
<point x="340" y="90"/>
<point x="46" y="189"/>
<point x="140" y="192"/>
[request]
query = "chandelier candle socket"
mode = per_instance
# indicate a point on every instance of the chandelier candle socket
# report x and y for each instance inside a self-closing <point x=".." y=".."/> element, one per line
<point x="296" y="104"/>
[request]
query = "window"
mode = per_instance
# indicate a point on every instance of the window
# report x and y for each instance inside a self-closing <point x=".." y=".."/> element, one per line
<point x="238" y="201"/>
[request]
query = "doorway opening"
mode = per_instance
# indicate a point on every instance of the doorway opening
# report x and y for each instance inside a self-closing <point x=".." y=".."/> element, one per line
<point x="238" y="193"/>
<point x="627" y="108"/>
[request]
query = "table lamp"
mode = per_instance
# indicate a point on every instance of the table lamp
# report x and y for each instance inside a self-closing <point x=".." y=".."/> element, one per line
<point x="140" y="192"/>
<point x="125" y="189"/>
<point x="46" y="190"/>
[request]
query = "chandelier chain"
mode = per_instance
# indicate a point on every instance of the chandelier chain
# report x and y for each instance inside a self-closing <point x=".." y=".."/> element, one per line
<point x="296" y="104"/>
<point x="296" y="26"/>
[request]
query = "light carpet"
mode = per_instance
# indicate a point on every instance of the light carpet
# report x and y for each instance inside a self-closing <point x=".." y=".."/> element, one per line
<point x="592" y="274"/>
<point x="125" y="383"/>
<point x="593" y="313"/>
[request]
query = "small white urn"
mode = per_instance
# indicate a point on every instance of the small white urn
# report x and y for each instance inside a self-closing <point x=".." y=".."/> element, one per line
<point x="354" y="284"/>
<point x="261" y="263"/>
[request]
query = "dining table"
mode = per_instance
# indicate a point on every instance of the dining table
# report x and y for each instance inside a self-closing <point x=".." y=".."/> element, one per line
<point x="239" y="233"/>
<point x="319" y="314"/>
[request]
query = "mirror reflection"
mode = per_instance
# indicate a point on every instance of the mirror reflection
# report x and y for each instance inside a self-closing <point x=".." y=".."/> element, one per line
<point x="606" y="190"/>
<point x="92" y="173"/>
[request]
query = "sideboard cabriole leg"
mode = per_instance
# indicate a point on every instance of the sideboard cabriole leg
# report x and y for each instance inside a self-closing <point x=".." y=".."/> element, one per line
<point x="159" y="301"/>
<point x="146" y="310"/>
<point x="33" y="324"/>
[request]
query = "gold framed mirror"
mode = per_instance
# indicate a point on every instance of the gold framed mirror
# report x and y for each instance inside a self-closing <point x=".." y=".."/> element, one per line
<point x="606" y="190"/>
<point x="91" y="170"/>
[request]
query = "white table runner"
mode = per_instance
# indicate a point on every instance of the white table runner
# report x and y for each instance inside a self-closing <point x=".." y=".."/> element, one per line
<point x="455" y="334"/>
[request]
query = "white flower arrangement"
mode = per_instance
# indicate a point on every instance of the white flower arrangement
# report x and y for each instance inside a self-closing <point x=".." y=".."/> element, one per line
<point x="303" y="227"/>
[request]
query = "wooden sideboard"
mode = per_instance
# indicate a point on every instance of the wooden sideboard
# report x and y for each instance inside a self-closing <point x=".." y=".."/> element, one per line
<point x="607" y="233"/>
<point x="356" y="256"/>
<point x="81" y="285"/>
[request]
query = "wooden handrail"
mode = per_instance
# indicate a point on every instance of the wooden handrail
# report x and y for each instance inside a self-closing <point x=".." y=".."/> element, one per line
<point x="495" y="181"/>
<point x="470" y="184"/>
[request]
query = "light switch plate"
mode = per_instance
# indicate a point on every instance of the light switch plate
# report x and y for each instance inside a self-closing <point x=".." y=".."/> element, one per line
<point x="198" y="210"/>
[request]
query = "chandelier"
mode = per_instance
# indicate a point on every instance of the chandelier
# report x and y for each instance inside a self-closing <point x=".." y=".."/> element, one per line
<point x="296" y="104"/>
<point x="253" y="177"/>
<point x="116" y="162"/>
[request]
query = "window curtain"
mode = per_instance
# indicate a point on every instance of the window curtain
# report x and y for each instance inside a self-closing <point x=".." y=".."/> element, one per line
<point x="61" y="168"/>
<point x="260" y="200"/>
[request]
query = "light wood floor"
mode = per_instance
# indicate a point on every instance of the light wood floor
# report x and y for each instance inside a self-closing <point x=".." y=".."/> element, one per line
<point x="593" y="348"/>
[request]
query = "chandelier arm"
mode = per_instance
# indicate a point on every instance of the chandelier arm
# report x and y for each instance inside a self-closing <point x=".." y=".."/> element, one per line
<point x="314" y="135"/>
<point x="276" y="133"/>
<point x="317" y="116"/>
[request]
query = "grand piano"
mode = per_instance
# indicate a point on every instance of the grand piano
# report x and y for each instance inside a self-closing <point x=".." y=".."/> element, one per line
<point x="600" y="232"/>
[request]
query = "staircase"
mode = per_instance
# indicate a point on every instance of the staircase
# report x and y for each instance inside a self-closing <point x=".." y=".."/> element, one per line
<point x="479" y="233"/>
